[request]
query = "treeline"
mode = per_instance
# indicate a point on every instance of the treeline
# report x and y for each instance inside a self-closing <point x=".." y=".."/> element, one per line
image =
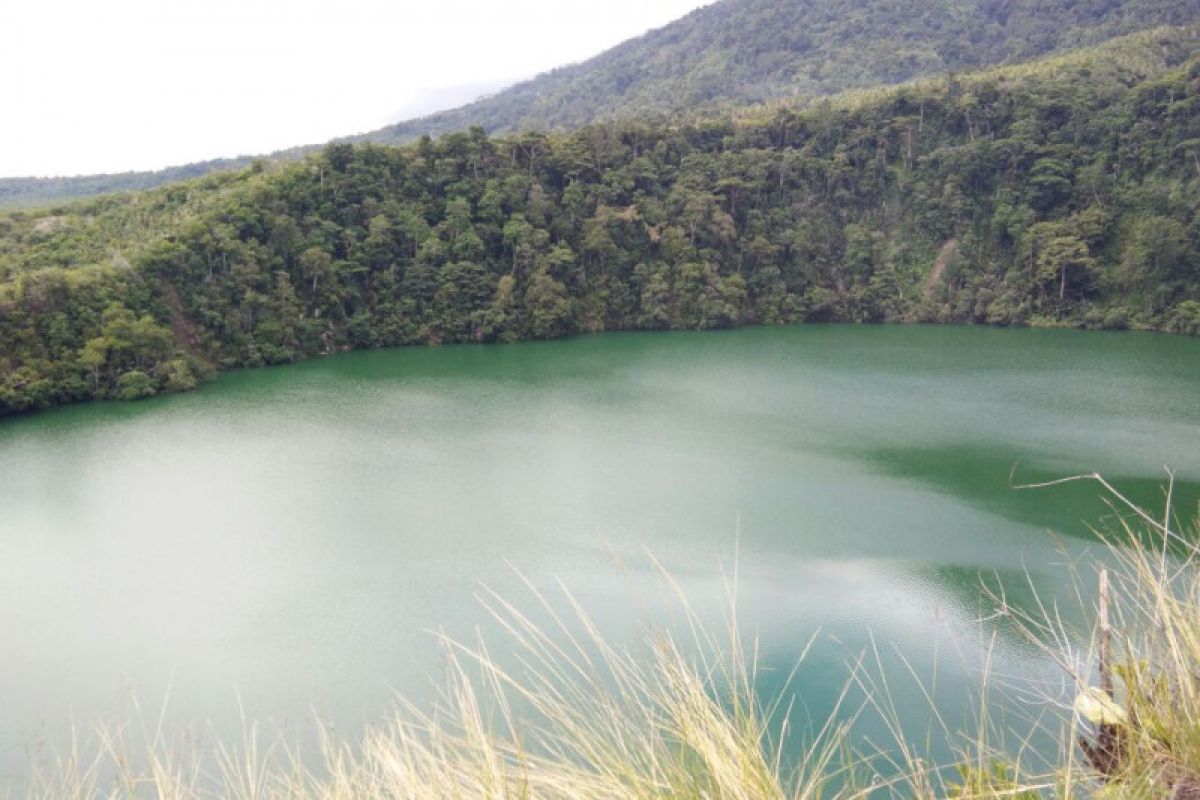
<point x="1063" y="193"/>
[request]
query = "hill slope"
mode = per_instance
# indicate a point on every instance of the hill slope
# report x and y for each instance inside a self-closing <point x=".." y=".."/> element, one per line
<point x="1064" y="192"/>
<point x="739" y="51"/>
<point x="15" y="192"/>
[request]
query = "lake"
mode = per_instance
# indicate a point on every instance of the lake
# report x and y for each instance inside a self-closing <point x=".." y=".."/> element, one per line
<point x="286" y="542"/>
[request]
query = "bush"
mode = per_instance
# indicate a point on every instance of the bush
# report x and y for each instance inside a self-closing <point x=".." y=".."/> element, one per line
<point x="1185" y="318"/>
<point x="179" y="376"/>
<point x="134" y="385"/>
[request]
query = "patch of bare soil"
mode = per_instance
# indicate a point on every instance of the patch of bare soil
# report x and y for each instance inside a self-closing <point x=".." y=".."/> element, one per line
<point x="939" y="267"/>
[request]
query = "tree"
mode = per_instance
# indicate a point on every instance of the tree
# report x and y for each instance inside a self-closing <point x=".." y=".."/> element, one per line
<point x="547" y="306"/>
<point x="135" y="384"/>
<point x="1066" y="260"/>
<point x="1155" y="252"/>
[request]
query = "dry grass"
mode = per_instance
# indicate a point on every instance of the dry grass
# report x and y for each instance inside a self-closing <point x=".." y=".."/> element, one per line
<point x="575" y="718"/>
<point x="1140" y="677"/>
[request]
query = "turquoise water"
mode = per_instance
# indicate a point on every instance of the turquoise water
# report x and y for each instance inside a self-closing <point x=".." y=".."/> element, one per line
<point x="285" y="541"/>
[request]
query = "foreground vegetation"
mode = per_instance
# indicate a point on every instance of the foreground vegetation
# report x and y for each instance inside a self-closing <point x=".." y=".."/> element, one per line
<point x="1063" y="192"/>
<point x="579" y="719"/>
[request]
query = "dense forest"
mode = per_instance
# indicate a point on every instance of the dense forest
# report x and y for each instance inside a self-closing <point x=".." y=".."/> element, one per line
<point x="1061" y="192"/>
<point x="731" y="53"/>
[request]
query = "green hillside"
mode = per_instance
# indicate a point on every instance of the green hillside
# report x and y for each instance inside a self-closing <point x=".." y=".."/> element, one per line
<point x="735" y="52"/>
<point x="32" y="192"/>
<point x="740" y="51"/>
<point x="1063" y="192"/>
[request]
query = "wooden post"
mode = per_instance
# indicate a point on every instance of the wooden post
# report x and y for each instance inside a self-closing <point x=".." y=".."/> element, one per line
<point x="1106" y="753"/>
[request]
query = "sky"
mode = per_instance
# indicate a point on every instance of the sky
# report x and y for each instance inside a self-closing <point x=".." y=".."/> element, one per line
<point x="112" y="85"/>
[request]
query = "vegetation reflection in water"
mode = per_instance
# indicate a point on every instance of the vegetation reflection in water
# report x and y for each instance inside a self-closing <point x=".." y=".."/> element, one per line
<point x="292" y="535"/>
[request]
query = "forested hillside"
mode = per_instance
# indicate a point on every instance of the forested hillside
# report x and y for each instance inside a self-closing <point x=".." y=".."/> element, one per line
<point x="734" y="52"/>
<point x="747" y="51"/>
<point x="1062" y="192"/>
<point x="43" y="191"/>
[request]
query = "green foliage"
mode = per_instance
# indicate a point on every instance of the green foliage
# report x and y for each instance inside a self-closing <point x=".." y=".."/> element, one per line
<point x="178" y="376"/>
<point x="998" y="779"/>
<point x="135" y="384"/>
<point x="1055" y="193"/>
<point x="1185" y="318"/>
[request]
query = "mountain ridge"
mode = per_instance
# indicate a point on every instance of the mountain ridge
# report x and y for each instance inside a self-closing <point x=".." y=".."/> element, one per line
<point x="727" y="54"/>
<point x="747" y="51"/>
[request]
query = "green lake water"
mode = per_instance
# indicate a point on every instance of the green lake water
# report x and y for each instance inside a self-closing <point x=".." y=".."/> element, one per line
<point x="286" y="542"/>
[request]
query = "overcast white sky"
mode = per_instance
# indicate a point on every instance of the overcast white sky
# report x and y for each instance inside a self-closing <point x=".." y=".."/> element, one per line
<point x="110" y="85"/>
